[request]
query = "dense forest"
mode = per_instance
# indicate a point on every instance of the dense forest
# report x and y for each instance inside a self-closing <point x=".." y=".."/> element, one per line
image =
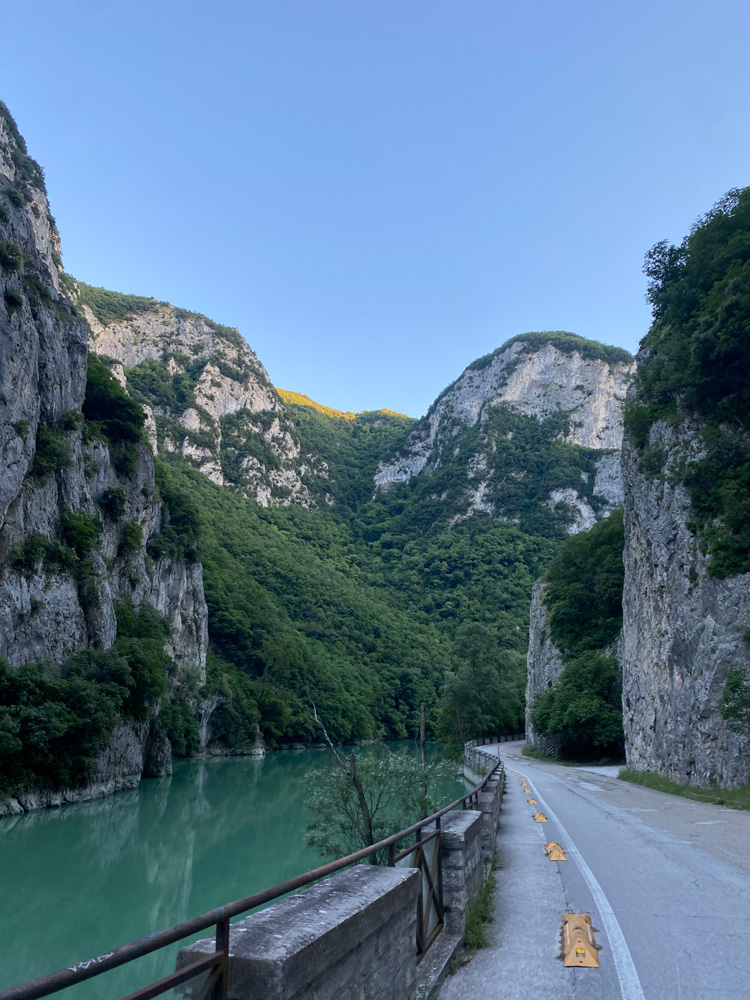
<point x="583" y="597"/>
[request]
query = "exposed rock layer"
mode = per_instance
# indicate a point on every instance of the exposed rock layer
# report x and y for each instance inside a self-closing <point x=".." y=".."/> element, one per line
<point x="235" y="428"/>
<point x="682" y="630"/>
<point x="544" y="667"/>
<point x="532" y="380"/>
<point x="47" y="609"/>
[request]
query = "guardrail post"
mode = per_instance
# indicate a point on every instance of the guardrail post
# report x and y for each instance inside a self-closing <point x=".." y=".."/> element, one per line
<point x="221" y="988"/>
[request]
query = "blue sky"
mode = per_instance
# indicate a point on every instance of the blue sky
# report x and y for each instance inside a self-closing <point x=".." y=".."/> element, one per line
<point x="376" y="192"/>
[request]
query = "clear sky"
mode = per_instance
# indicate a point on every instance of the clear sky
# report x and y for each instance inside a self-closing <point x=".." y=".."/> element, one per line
<point x="376" y="192"/>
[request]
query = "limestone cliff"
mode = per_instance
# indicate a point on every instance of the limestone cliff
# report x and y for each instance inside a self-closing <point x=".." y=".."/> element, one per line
<point x="210" y="395"/>
<point x="57" y="474"/>
<point x="544" y="667"/>
<point x="545" y="377"/>
<point x="683" y="628"/>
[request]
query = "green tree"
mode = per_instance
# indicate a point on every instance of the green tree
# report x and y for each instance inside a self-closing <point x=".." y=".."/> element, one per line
<point x="695" y="363"/>
<point x="583" y="708"/>
<point x="584" y="588"/>
<point x="735" y="701"/>
<point x="482" y="694"/>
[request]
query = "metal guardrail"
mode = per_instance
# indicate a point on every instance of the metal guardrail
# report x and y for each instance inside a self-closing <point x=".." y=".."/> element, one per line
<point x="429" y="923"/>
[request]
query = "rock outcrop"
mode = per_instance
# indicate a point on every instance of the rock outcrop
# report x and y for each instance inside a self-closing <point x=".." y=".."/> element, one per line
<point x="53" y="473"/>
<point x="544" y="667"/>
<point x="210" y="396"/>
<point x="534" y="375"/>
<point x="683" y="629"/>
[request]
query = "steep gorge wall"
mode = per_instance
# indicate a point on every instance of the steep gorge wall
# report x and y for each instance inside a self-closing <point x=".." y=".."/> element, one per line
<point x="683" y="628"/>
<point x="50" y="469"/>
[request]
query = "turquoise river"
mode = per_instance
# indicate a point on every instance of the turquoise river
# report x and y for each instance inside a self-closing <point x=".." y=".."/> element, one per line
<point x="77" y="881"/>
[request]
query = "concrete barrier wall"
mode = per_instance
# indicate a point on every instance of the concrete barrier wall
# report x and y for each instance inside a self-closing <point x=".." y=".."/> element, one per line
<point x="353" y="936"/>
<point x="350" y="937"/>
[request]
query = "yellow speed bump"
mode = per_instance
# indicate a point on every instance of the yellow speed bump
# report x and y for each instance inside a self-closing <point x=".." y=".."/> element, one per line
<point x="539" y="818"/>
<point x="554" y="852"/>
<point x="532" y="802"/>
<point x="579" y="949"/>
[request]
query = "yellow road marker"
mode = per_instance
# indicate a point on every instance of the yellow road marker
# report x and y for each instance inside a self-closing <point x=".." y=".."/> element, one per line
<point x="532" y="802"/>
<point x="554" y="852"/>
<point x="579" y="947"/>
<point x="539" y="818"/>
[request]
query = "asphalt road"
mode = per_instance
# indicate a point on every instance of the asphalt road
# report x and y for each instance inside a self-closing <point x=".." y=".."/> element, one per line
<point x="666" y="881"/>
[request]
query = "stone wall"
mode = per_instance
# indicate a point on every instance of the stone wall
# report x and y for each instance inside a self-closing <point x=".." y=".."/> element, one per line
<point x="463" y="870"/>
<point x="350" y="937"/>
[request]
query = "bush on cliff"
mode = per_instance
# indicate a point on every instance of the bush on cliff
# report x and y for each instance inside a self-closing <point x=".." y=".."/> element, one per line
<point x="54" y="721"/>
<point x="113" y="415"/>
<point x="695" y="363"/>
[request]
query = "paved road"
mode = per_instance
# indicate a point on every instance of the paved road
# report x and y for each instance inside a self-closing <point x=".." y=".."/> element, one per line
<point x="666" y="881"/>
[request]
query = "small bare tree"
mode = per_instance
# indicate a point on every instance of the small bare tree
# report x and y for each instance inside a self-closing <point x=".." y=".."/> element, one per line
<point x="363" y="798"/>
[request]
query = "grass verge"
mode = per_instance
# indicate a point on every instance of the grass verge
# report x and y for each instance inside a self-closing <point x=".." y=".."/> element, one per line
<point x="539" y="755"/>
<point x="478" y="915"/>
<point x="564" y="762"/>
<point x="734" y="798"/>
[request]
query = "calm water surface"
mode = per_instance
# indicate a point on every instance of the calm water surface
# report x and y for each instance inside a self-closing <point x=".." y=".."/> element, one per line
<point x="77" y="881"/>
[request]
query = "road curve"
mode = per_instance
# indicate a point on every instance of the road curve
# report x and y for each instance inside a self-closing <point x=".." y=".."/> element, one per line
<point x="666" y="881"/>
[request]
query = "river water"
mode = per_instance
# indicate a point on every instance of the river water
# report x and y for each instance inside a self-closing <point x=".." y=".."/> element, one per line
<point x="77" y="881"/>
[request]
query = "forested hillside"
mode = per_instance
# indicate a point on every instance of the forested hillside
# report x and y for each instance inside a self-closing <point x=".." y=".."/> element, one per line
<point x="333" y="591"/>
<point x="362" y="603"/>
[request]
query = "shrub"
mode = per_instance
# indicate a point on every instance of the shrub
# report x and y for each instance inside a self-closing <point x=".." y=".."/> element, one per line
<point x="52" y="452"/>
<point x="118" y="417"/>
<point x="36" y="289"/>
<point x="52" y="728"/>
<point x="80" y="530"/>
<point x="13" y="301"/>
<point x="15" y="197"/>
<point x="27" y="556"/>
<point x="180" y="727"/>
<point x="140" y="641"/>
<point x="112" y="503"/>
<point x="11" y="256"/>
<point x="132" y="538"/>
<point x="181" y="524"/>
<point x="151" y="382"/>
<point x="72" y="420"/>
<point x="108" y="307"/>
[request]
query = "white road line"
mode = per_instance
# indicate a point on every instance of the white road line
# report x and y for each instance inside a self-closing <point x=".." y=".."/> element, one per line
<point x="630" y="984"/>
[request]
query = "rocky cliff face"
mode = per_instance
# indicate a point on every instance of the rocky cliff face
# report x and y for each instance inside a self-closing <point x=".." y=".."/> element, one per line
<point x="53" y="472"/>
<point x="544" y="667"/>
<point x="540" y="376"/>
<point x="211" y="397"/>
<point x="682" y="628"/>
